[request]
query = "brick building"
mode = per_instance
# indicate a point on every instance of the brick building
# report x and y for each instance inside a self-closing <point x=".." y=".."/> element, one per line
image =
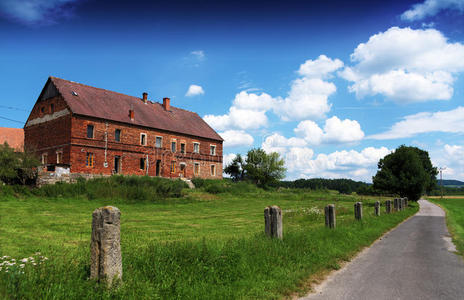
<point x="87" y="130"/>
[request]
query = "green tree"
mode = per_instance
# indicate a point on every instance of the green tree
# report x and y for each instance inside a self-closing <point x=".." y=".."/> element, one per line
<point x="262" y="168"/>
<point x="236" y="168"/>
<point x="407" y="172"/>
<point x="17" y="167"/>
<point x="258" y="166"/>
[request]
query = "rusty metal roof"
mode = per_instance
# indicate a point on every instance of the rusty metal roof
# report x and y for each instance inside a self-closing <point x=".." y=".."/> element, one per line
<point x="100" y="103"/>
<point x="13" y="136"/>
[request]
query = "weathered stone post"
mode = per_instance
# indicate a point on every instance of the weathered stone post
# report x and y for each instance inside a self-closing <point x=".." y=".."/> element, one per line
<point x="358" y="211"/>
<point x="388" y="206"/>
<point x="105" y="247"/>
<point x="273" y="221"/>
<point x="395" y="204"/>
<point x="330" y="216"/>
<point x="400" y="204"/>
<point x="406" y="204"/>
<point x="377" y="208"/>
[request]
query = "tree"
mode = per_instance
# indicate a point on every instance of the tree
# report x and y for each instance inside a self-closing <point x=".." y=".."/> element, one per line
<point x="259" y="167"/>
<point x="17" y="167"/>
<point x="407" y="172"/>
<point x="236" y="168"/>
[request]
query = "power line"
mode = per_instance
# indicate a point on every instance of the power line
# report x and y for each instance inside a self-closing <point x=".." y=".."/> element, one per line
<point x="12" y="120"/>
<point x="13" y="108"/>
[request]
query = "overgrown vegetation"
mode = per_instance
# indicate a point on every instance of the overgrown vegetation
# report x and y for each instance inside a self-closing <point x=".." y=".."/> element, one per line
<point x="17" y="167"/>
<point x="209" y="247"/>
<point x="407" y="171"/>
<point x="120" y="188"/>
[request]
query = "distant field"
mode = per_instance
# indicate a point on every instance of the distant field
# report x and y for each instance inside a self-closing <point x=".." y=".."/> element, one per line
<point x="454" y="207"/>
<point x="199" y="246"/>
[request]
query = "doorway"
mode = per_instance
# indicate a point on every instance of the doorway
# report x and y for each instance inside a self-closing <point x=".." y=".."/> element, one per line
<point x="182" y="170"/>
<point x="117" y="164"/>
<point x="158" y="167"/>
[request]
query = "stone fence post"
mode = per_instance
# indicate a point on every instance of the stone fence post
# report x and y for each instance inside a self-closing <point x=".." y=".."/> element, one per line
<point x="273" y="221"/>
<point x="406" y="204"/>
<point x="105" y="246"/>
<point x="377" y="208"/>
<point x="358" y="211"/>
<point x="400" y="204"/>
<point x="388" y="205"/>
<point x="330" y="216"/>
<point x="395" y="204"/>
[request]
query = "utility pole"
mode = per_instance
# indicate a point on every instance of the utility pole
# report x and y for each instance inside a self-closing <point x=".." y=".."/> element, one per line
<point x="441" y="180"/>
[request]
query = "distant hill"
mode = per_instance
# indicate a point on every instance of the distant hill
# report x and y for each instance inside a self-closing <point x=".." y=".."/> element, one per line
<point x="450" y="182"/>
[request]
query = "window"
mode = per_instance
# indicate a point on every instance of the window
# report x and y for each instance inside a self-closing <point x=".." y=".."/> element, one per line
<point x="89" y="160"/>
<point x="52" y="108"/>
<point x="117" y="135"/>
<point x="212" y="150"/>
<point x="59" y="157"/>
<point x="90" y="131"/>
<point x="213" y="170"/>
<point x="182" y="148"/>
<point x="196" y="169"/>
<point x="143" y="163"/>
<point x="158" y="142"/>
<point x="173" y="147"/>
<point x="196" y="147"/>
<point x="42" y="109"/>
<point x="173" y="166"/>
<point x="44" y="158"/>
<point x="143" y="139"/>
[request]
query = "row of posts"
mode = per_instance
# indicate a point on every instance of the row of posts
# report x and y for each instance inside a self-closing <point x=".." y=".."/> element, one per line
<point x="106" y="260"/>
<point x="273" y="215"/>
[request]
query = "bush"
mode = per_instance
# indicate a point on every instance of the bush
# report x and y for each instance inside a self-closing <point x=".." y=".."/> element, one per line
<point x="131" y="188"/>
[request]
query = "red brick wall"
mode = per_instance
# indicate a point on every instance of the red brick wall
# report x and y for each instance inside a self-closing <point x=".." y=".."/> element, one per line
<point x="130" y="150"/>
<point x="50" y="136"/>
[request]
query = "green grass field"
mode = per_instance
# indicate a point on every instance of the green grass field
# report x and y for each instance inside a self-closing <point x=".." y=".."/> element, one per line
<point x="199" y="246"/>
<point x="454" y="208"/>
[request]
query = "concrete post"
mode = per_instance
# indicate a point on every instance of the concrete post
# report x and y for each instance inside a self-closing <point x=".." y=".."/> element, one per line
<point x="400" y="204"/>
<point x="406" y="204"/>
<point x="330" y="216"/>
<point x="377" y="208"/>
<point x="358" y="211"/>
<point x="395" y="204"/>
<point x="388" y="204"/>
<point x="273" y="221"/>
<point x="105" y="246"/>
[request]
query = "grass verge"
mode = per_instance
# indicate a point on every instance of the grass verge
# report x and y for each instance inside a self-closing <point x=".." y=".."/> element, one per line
<point x="454" y="208"/>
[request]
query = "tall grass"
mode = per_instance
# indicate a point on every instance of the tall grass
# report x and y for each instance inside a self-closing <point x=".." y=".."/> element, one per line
<point x="126" y="188"/>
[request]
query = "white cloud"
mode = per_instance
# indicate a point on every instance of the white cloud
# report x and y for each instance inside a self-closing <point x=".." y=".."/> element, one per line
<point x="234" y="138"/>
<point x="194" y="90"/>
<point x="405" y="65"/>
<point x="238" y="119"/>
<point x="450" y="158"/>
<point x="307" y="99"/>
<point x="451" y="121"/>
<point x="199" y="54"/>
<point x="37" y="12"/>
<point x="278" y="143"/>
<point x="431" y="8"/>
<point x="335" y="131"/>
<point x="319" y="68"/>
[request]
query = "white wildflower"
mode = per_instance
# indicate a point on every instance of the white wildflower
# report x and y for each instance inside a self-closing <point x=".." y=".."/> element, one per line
<point x="22" y="265"/>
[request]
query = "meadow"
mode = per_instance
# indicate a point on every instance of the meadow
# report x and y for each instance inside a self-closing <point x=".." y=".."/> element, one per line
<point x="206" y="243"/>
<point x="454" y="208"/>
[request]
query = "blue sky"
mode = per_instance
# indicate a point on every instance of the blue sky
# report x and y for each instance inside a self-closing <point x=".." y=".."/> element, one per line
<point x="332" y="86"/>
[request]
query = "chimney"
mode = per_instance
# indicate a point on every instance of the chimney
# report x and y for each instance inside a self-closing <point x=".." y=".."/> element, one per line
<point x="167" y="104"/>
<point x="131" y="114"/>
<point x="145" y="96"/>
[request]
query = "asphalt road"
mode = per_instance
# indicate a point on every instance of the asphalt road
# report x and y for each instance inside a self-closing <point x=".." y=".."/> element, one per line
<point x="411" y="262"/>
